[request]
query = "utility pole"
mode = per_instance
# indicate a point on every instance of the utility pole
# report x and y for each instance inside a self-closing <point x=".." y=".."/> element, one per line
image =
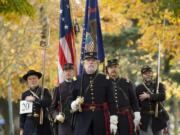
<point x="10" y="107"/>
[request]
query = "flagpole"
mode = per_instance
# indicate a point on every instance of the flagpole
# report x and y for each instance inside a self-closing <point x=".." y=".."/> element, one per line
<point x="44" y="43"/>
<point x="75" y="57"/>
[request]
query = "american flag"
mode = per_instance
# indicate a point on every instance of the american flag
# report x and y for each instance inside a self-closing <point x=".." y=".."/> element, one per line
<point x="67" y="53"/>
<point x="92" y="35"/>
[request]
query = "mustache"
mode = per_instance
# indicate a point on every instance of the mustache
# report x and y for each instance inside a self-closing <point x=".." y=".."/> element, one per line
<point x="113" y="72"/>
<point x="91" y="66"/>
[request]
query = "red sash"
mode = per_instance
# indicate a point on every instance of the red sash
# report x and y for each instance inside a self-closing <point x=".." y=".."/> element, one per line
<point x="127" y="112"/>
<point x="104" y="107"/>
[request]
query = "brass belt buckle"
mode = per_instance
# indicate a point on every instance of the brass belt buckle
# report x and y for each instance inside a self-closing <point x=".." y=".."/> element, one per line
<point x="35" y="115"/>
<point x="92" y="108"/>
<point x="151" y="112"/>
<point x="29" y="115"/>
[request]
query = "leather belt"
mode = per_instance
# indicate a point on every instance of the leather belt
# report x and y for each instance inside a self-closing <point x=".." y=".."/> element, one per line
<point x="148" y="112"/>
<point x="32" y="115"/>
<point x="128" y="112"/>
<point x="29" y="115"/>
<point x="104" y="107"/>
<point x="124" y="110"/>
<point x="92" y="107"/>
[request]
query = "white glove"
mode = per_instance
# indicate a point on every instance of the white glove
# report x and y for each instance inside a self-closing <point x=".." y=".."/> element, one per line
<point x="21" y="131"/>
<point x="113" y="124"/>
<point x="137" y="118"/>
<point x="76" y="104"/>
<point x="60" y="117"/>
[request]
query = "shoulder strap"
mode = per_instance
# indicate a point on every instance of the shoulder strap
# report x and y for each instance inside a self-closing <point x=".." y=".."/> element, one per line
<point x="34" y="94"/>
<point x="147" y="88"/>
<point x="121" y="90"/>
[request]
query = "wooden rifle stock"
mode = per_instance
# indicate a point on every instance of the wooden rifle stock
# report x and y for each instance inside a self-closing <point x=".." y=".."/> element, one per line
<point x="41" y="116"/>
<point x="156" y="110"/>
<point x="157" y="103"/>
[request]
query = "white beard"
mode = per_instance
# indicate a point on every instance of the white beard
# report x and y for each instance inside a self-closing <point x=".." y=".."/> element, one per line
<point x="32" y="86"/>
<point x="90" y="69"/>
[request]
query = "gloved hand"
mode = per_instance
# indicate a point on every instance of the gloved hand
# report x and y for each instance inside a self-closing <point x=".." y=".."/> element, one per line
<point x="137" y="118"/>
<point x="76" y="104"/>
<point x="60" y="117"/>
<point x="21" y="131"/>
<point x="113" y="124"/>
<point x="30" y="98"/>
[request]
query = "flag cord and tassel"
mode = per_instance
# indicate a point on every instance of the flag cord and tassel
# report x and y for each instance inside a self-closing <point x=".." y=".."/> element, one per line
<point x="76" y="28"/>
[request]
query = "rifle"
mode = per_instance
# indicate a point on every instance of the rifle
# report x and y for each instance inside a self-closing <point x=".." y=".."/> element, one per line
<point x="158" y="68"/>
<point x="158" y="78"/>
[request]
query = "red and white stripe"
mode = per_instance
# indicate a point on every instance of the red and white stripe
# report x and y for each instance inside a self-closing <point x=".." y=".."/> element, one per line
<point x="67" y="53"/>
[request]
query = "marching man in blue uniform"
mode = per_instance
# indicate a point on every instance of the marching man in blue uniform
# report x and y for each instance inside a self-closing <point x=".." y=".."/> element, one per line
<point x="127" y="107"/>
<point x="92" y="101"/>
<point x="147" y="96"/>
<point x="60" y="107"/>
<point x="36" y="122"/>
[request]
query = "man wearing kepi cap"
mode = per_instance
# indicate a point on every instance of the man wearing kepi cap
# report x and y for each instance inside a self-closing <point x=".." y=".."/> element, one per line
<point x="33" y="122"/>
<point x="92" y="99"/>
<point x="124" y="96"/>
<point x="60" y="107"/>
<point x="147" y="96"/>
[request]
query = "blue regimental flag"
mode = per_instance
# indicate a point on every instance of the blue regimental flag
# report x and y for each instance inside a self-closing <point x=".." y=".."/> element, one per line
<point x="92" y="35"/>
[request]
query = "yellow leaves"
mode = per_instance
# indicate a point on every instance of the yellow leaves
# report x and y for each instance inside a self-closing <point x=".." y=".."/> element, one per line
<point x="138" y="10"/>
<point x="8" y="34"/>
<point x="146" y="58"/>
<point x="172" y="89"/>
<point x="112" y="19"/>
<point x="22" y="40"/>
<point x="4" y="1"/>
<point x="12" y="51"/>
<point x="112" y="6"/>
<point x="149" y="40"/>
<point x="17" y="88"/>
<point x="167" y="35"/>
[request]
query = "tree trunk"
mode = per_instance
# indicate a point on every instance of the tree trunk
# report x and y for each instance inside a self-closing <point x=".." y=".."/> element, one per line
<point x="167" y="65"/>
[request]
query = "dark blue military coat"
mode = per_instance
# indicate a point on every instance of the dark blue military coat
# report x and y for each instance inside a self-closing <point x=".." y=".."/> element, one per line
<point x="126" y="104"/>
<point x="148" y="106"/>
<point x="96" y="90"/>
<point x="28" y="122"/>
<point x="60" y="100"/>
